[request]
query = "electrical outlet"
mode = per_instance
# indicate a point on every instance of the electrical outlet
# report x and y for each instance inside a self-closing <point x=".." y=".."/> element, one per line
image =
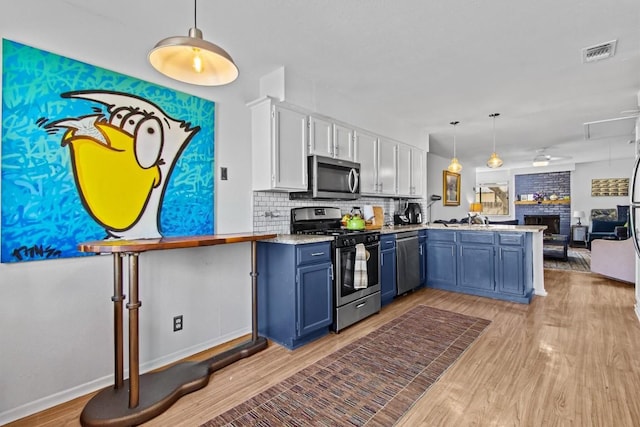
<point x="177" y="323"/>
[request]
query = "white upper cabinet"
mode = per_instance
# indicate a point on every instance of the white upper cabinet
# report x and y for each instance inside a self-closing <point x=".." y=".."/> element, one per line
<point x="279" y="141"/>
<point x="410" y="171"/>
<point x="387" y="164"/>
<point x="330" y="139"/>
<point x="283" y="135"/>
<point x="418" y="172"/>
<point x="404" y="170"/>
<point x="366" y="153"/>
<point x="320" y="137"/>
<point x="343" y="142"/>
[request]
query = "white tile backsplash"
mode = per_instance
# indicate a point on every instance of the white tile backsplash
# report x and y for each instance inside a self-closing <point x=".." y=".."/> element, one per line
<point x="272" y="210"/>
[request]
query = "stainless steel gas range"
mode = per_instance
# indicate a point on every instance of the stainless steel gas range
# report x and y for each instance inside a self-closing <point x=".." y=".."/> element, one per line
<point x="351" y="303"/>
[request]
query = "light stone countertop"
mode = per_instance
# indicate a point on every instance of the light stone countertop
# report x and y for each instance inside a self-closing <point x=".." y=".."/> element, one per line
<point x="465" y="227"/>
<point x="299" y="239"/>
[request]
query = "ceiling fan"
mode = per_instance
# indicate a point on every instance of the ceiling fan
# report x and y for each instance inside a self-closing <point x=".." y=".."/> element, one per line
<point x="542" y="158"/>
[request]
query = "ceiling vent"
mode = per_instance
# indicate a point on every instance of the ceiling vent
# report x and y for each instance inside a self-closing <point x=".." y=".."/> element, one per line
<point x="610" y="128"/>
<point x="599" y="52"/>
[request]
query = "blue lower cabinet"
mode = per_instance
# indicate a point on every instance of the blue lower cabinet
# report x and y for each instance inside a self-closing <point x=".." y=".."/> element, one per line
<point x="442" y="263"/>
<point x="476" y="267"/>
<point x="509" y="268"/>
<point x="491" y="264"/>
<point x="295" y="292"/>
<point x="422" y="241"/>
<point x="387" y="268"/>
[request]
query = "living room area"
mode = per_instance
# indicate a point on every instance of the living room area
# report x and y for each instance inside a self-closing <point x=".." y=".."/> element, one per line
<point x="585" y="207"/>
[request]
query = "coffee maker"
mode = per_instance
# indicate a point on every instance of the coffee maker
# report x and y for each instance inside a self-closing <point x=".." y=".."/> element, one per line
<point x="414" y="213"/>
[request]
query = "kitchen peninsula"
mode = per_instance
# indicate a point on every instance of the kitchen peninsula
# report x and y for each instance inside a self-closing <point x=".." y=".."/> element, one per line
<point x="496" y="261"/>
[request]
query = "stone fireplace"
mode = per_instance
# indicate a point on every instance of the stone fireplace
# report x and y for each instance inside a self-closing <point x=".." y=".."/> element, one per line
<point x="557" y="183"/>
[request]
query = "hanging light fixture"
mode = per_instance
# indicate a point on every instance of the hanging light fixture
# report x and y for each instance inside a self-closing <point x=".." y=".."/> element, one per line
<point x="494" y="161"/>
<point x="192" y="59"/>
<point x="455" y="165"/>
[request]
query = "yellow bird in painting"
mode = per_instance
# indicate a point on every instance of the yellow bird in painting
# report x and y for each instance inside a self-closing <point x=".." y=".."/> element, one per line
<point x="121" y="164"/>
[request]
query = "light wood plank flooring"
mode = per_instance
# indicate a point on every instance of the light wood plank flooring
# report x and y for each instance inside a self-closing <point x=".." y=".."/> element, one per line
<point x="571" y="358"/>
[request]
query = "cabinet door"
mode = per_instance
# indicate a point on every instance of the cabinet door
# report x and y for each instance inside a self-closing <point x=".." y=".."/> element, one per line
<point x="320" y="137"/>
<point x="423" y="260"/>
<point x="387" y="161"/>
<point x="289" y="143"/>
<point x="404" y="170"/>
<point x="510" y="270"/>
<point x="387" y="275"/>
<point x="476" y="267"/>
<point x="366" y="154"/>
<point x="417" y="173"/>
<point x="343" y="142"/>
<point x="314" y="298"/>
<point x="441" y="264"/>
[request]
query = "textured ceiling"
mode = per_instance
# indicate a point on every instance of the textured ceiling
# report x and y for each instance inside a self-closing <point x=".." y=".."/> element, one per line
<point x="427" y="63"/>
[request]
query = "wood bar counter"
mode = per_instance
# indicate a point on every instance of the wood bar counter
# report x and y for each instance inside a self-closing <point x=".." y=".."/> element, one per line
<point x="142" y="397"/>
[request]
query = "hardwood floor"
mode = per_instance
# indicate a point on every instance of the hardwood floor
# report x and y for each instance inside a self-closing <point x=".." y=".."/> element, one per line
<point x="571" y="358"/>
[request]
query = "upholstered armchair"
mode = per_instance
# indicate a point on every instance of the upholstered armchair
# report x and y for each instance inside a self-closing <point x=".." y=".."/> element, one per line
<point x="614" y="258"/>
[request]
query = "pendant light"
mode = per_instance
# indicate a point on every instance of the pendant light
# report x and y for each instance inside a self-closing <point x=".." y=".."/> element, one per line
<point x="494" y="161"/>
<point x="455" y="165"/>
<point x="192" y="59"/>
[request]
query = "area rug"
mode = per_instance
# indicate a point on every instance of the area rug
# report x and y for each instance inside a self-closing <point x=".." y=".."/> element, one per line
<point x="372" y="381"/>
<point x="578" y="259"/>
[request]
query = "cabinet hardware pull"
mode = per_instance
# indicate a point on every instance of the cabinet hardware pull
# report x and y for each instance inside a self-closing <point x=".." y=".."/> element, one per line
<point x="317" y="253"/>
<point x="362" y="304"/>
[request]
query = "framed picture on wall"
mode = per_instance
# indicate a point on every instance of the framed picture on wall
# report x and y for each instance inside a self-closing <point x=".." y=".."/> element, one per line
<point x="451" y="188"/>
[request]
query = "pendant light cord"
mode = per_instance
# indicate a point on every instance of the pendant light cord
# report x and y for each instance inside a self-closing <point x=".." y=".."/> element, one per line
<point x="195" y="13"/>
<point x="494" y="133"/>
<point x="454" y="137"/>
<point x="494" y="115"/>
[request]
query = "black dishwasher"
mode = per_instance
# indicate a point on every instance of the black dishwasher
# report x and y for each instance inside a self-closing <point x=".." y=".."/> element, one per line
<point x="407" y="261"/>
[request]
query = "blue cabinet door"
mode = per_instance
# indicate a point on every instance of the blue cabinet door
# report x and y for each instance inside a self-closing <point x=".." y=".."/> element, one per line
<point x="387" y="275"/>
<point x="476" y="267"/>
<point x="510" y="270"/>
<point x="423" y="259"/>
<point x="441" y="264"/>
<point x="314" y="301"/>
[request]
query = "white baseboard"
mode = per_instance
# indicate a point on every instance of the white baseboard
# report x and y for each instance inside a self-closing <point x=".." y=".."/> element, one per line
<point x="100" y="383"/>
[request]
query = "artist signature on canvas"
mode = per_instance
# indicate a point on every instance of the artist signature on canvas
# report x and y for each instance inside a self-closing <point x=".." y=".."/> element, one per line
<point x="35" y="252"/>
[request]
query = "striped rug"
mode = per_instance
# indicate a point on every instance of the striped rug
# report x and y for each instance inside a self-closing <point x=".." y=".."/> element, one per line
<point x="579" y="259"/>
<point x="372" y="381"/>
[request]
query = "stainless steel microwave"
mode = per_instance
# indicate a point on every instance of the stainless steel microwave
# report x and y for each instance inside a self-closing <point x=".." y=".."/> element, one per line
<point x="329" y="178"/>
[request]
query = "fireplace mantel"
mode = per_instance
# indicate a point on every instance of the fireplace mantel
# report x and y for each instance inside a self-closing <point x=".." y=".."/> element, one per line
<point x="544" y="202"/>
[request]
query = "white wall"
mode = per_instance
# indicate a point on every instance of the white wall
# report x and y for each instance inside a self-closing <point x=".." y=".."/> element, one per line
<point x="435" y="166"/>
<point x="56" y="342"/>
<point x="581" y="198"/>
<point x="56" y="339"/>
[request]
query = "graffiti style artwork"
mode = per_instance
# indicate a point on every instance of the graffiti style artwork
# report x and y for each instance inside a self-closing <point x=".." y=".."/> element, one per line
<point x="90" y="154"/>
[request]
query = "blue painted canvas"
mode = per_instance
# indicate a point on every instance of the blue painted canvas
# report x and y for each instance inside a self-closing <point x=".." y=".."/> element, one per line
<point x="91" y="154"/>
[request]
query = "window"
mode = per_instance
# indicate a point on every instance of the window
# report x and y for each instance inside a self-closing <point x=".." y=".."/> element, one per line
<point x="494" y="197"/>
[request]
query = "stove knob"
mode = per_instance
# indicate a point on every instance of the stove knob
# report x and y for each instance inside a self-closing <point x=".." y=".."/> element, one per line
<point x="353" y="241"/>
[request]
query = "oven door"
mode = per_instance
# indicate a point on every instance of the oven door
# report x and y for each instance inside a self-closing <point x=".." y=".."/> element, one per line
<point x="345" y="273"/>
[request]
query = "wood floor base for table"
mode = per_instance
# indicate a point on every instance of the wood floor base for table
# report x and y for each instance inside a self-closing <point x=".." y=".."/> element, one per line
<point x="160" y="390"/>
